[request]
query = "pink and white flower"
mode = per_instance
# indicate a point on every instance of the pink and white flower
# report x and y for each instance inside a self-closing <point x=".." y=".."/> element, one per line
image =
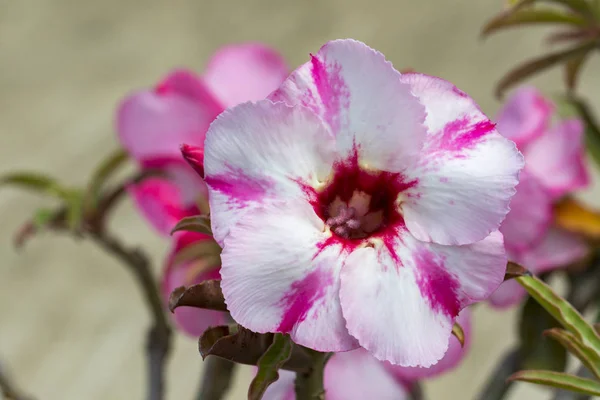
<point x="554" y="167"/>
<point x="154" y="123"/>
<point x="359" y="207"/>
<point x="357" y="375"/>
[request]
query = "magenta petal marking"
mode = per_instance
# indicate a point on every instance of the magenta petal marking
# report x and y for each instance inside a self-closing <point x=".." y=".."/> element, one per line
<point x="436" y="284"/>
<point x="332" y="90"/>
<point x="239" y="187"/>
<point x="462" y="134"/>
<point x="302" y="296"/>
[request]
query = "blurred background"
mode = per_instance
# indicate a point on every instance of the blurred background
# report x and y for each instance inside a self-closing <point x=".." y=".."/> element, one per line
<point x="72" y="320"/>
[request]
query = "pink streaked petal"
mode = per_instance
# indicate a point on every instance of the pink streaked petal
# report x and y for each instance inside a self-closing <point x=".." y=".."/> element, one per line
<point x="400" y="299"/>
<point x="279" y="277"/>
<point x="530" y="214"/>
<point x="451" y="359"/>
<point x="508" y="294"/>
<point x="153" y="123"/>
<point x="357" y="375"/>
<point x="160" y="203"/>
<point x="192" y="321"/>
<point x="558" y="249"/>
<point x="360" y="95"/>
<point x="259" y="151"/>
<point x="525" y="116"/>
<point x="467" y="172"/>
<point x="282" y="388"/>
<point x="557" y="158"/>
<point x="245" y="72"/>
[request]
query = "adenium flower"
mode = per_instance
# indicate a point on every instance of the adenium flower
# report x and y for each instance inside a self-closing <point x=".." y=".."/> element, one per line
<point x="358" y="207"/>
<point x="154" y="123"/>
<point x="554" y="167"/>
<point x="357" y="375"/>
<point x="192" y="270"/>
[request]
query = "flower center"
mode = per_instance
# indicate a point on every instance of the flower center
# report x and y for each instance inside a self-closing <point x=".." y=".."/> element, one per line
<point x="358" y="203"/>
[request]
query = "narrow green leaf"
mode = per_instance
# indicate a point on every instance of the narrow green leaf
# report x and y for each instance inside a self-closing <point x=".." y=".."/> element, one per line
<point x="578" y="6"/>
<point x="532" y="16"/>
<point x="564" y="312"/>
<point x="558" y="380"/>
<point x="102" y="173"/>
<point x="36" y="182"/>
<point x="572" y="70"/>
<point x="537" y="351"/>
<point x="459" y="333"/>
<point x="539" y="64"/>
<point x="276" y="355"/>
<point x="74" y="209"/>
<point x="592" y="129"/>
<point x="207" y="294"/>
<point x="196" y="223"/>
<point x="42" y="217"/>
<point x="588" y="357"/>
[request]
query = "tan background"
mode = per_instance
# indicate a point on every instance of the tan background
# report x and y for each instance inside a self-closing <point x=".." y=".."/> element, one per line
<point x="72" y="319"/>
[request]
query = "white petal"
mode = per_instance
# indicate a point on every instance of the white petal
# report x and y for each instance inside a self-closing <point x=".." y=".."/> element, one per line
<point x="467" y="172"/>
<point x="278" y="276"/>
<point x="360" y="95"/>
<point x="400" y="299"/>
<point x="257" y="152"/>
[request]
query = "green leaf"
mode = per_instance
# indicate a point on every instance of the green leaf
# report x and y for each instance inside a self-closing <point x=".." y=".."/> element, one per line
<point x="588" y="358"/>
<point x="196" y="223"/>
<point x="200" y="250"/>
<point x="532" y="16"/>
<point x="558" y="380"/>
<point x="36" y="182"/>
<point x="537" y="351"/>
<point x="276" y="355"/>
<point x="42" y="217"/>
<point x="207" y="294"/>
<point x="539" y="64"/>
<point x="592" y="129"/>
<point x="572" y="69"/>
<point x="238" y="344"/>
<point x="74" y="209"/>
<point x="578" y="6"/>
<point x="564" y="312"/>
<point x="102" y="173"/>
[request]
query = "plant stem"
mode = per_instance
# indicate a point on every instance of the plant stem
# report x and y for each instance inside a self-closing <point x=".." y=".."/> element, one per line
<point x="159" y="335"/>
<point x="216" y="380"/>
<point x="496" y="387"/>
<point x="309" y="384"/>
<point x="8" y="389"/>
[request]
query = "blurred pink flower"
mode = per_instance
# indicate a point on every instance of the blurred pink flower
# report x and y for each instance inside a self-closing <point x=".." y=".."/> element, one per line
<point x="192" y="321"/>
<point x="359" y="207"/>
<point x="554" y="167"/>
<point x="357" y="375"/>
<point x="152" y="125"/>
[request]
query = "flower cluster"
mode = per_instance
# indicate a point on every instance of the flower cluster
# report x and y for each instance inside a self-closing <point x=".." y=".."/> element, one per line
<point x="554" y="168"/>
<point x="154" y="123"/>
